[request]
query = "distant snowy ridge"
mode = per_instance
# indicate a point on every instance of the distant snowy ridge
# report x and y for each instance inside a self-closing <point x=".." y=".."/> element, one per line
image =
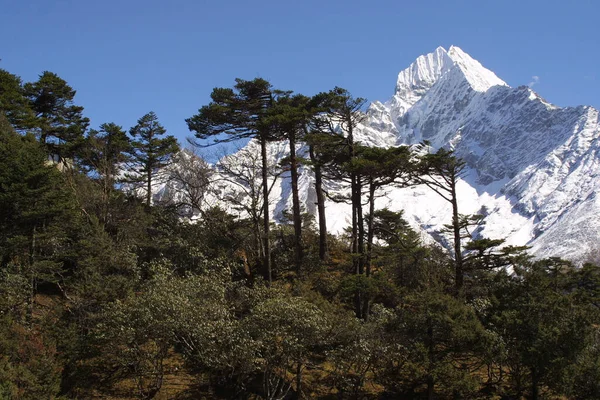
<point x="533" y="168"/>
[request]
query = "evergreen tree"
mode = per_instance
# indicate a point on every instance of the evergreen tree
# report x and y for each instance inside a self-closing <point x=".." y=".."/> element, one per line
<point x="241" y="113"/>
<point x="150" y="152"/>
<point x="473" y="255"/>
<point x="59" y="123"/>
<point x="343" y="114"/>
<point x="105" y="152"/>
<point x="543" y="323"/>
<point x="440" y="172"/>
<point x="318" y="138"/>
<point x="320" y="193"/>
<point x="443" y="342"/>
<point x="379" y="167"/>
<point x="291" y="116"/>
<point x="35" y="210"/>
<point x="13" y="102"/>
<point x="398" y="248"/>
<point x="376" y="168"/>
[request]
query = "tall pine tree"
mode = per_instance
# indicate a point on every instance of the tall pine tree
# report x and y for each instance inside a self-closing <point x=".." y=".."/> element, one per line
<point x="13" y="102"/>
<point x="105" y="152"/>
<point x="291" y="116"/>
<point x="241" y="113"/>
<point x="441" y="171"/>
<point x="150" y="151"/>
<point x="59" y="123"/>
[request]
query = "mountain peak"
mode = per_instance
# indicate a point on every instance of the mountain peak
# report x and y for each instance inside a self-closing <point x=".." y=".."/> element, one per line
<point x="427" y="69"/>
<point x="423" y="73"/>
<point x="480" y="78"/>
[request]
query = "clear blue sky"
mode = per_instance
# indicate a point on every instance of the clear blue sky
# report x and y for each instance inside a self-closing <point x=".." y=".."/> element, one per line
<point x="128" y="57"/>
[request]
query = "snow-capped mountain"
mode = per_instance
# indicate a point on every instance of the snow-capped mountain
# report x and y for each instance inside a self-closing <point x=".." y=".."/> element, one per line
<point x="533" y="168"/>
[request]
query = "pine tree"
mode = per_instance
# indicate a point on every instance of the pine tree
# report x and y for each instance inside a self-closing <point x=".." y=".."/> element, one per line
<point x="541" y="318"/>
<point x="105" y="152"/>
<point x="443" y="340"/>
<point x="35" y="209"/>
<point x="317" y="136"/>
<point x="241" y="113"/>
<point x="375" y="168"/>
<point x="320" y="194"/>
<point x="343" y="114"/>
<point x="150" y="152"/>
<point x="59" y="123"/>
<point x="379" y="167"/>
<point x="291" y="115"/>
<point x="13" y="102"/>
<point x="440" y="172"/>
<point x="399" y="247"/>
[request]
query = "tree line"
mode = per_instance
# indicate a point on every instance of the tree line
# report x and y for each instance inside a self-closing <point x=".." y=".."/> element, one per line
<point x="107" y="290"/>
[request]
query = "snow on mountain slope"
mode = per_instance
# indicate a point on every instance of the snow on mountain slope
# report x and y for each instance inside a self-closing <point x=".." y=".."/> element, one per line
<point x="533" y="168"/>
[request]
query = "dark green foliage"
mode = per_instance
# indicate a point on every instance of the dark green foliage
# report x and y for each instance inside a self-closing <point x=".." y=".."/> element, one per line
<point x="59" y="123"/>
<point x="241" y="113"/>
<point x="291" y="117"/>
<point x="581" y="379"/>
<point x="441" y="171"/>
<point x="380" y="168"/>
<point x="399" y="252"/>
<point x="103" y="156"/>
<point x="543" y="325"/>
<point x="149" y="152"/>
<point x="443" y="342"/>
<point x="13" y="102"/>
<point x="343" y="114"/>
<point x="35" y="209"/>
<point x="106" y="149"/>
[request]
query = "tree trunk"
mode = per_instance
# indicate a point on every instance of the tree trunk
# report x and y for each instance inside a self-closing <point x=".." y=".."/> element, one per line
<point x="358" y="228"/>
<point x="257" y="238"/>
<point x="266" y="221"/>
<point x="320" y="206"/>
<point x="370" y="222"/>
<point x="458" y="261"/>
<point x="430" y="354"/>
<point x="535" y="392"/>
<point x="299" y="381"/>
<point x="354" y="224"/>
<point x="356" y="255"/>
<point x="149" y="188"/>
<point x="357" y="222"/>
<point x="361" y="228"/>
<point x="363" y="301"/>
<point x="370" y="235"/>
<point x="297" y="218"/>
<point x="108" y="186"/>
<point x="354" y="199"/>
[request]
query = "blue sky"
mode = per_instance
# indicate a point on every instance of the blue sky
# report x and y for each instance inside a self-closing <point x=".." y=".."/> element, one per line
<point x="128" y="57"/>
